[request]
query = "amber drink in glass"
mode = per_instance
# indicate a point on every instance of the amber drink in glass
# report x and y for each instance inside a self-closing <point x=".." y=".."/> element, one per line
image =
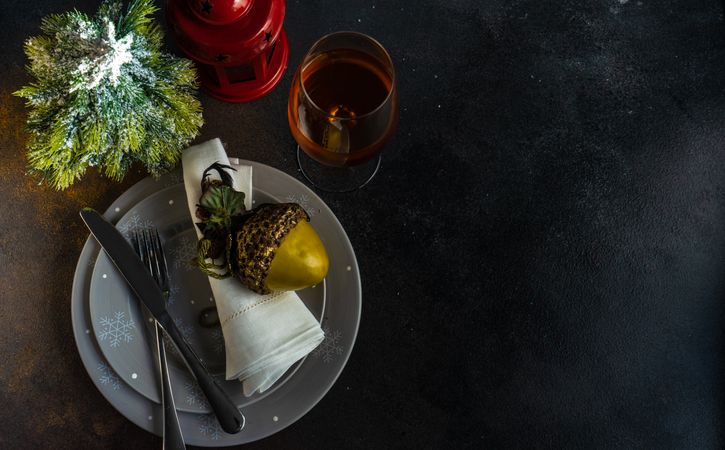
<point x="342" y="107"/>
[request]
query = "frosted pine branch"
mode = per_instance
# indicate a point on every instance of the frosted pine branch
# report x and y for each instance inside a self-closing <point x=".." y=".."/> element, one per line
<point x="105" y="95"/>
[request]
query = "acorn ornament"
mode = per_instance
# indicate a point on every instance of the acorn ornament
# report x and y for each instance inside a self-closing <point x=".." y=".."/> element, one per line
<point x="271" y="248"/>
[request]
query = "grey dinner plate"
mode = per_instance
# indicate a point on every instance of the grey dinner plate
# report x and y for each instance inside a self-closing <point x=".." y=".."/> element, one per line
<point x="302" y="388"/>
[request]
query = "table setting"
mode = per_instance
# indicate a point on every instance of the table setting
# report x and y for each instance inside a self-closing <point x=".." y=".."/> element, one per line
<point x="109" y="325"/>
<point x="276" y="224"/>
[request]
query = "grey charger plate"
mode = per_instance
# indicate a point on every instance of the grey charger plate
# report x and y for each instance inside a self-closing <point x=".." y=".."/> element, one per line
<point x="301" y="390"/>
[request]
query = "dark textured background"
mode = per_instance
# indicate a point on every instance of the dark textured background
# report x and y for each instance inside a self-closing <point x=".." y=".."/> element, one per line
<point x="542" y="253"/>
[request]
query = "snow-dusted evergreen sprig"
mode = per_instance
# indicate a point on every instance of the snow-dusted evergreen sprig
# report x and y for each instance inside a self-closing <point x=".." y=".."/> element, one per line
<point x="105" y="95"/>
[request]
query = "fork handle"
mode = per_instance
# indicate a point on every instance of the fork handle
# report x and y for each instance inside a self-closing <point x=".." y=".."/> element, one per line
<point x="229" y="416"/>
<point x="173" y="439"/>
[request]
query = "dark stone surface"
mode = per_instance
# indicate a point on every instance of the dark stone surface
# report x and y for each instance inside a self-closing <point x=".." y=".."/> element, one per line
<point x="542" y="253"/>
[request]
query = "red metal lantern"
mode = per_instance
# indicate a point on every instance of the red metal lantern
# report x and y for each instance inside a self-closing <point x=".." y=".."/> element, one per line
<point x="239" y="46"/>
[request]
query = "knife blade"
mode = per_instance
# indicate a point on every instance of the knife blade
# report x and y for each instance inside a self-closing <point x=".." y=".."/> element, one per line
<point x="144" y="286"/>
<point x="123" y="256"/>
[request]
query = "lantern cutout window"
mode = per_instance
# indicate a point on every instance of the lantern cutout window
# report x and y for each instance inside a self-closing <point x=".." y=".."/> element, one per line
<point x="239" y="74"/>
<point x="239" y="46"/>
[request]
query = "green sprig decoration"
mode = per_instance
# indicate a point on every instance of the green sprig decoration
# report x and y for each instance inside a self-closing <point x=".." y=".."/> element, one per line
<point x="106" y="95"/>
<point x="219" y="207"/>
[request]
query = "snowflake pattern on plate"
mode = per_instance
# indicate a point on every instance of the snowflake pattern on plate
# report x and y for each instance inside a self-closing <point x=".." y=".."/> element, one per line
<point x="218" y="339"/>
<point x="171" y="348"/>
<point x="91" y="263"/>
<point x="116" y="329"/>
<point x="186" y="331"/>
<point x="135" y="222"/>
<point x="173" y="178"/>
<point x="304" y="201"/>
<point x="330" y="347"/>
<point x="174" y="291"/>
<point x="108" y="376"/>
<point x="209" y="427"/>
<point x="195" y="396"/>
<point x="182" y="254"/>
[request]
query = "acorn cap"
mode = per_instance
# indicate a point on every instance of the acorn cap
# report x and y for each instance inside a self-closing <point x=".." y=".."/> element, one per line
<point x="258" y="239"/>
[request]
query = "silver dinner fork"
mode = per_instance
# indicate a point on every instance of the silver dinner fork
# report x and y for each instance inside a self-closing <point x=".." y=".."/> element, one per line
<point x="147" y="244"/>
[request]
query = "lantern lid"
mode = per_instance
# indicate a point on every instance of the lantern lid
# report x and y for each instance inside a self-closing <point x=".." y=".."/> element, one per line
<point x="226" y="31"/>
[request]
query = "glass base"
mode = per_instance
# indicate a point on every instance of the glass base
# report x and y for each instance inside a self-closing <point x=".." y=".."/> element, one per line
<point x="336" y="179"/>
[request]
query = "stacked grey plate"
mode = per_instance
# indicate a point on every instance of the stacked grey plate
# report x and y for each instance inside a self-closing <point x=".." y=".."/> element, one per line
<point x="114" y="341"/>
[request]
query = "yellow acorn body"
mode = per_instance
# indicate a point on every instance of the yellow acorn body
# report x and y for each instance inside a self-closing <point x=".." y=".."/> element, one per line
<point x="278" y="250"/>
<point x="300" y="261"/>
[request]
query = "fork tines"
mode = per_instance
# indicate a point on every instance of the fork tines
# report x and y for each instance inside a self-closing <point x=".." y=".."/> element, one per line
<point x="147" y="244"/>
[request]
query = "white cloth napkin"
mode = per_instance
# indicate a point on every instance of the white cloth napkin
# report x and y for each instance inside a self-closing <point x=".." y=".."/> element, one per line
<point x="263" y="334"/>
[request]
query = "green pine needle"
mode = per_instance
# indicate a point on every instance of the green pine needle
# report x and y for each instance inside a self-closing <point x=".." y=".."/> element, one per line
<point x="105" y="95"/>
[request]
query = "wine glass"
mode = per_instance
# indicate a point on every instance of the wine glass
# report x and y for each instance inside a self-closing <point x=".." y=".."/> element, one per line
<point x="342" y="110"/>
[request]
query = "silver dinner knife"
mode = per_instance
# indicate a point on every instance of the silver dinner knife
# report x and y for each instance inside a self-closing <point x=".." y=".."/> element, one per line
<point x="144" y="286"/>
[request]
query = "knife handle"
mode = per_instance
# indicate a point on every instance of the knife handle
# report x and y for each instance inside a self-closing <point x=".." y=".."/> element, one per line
<point x="229" y="416"/>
